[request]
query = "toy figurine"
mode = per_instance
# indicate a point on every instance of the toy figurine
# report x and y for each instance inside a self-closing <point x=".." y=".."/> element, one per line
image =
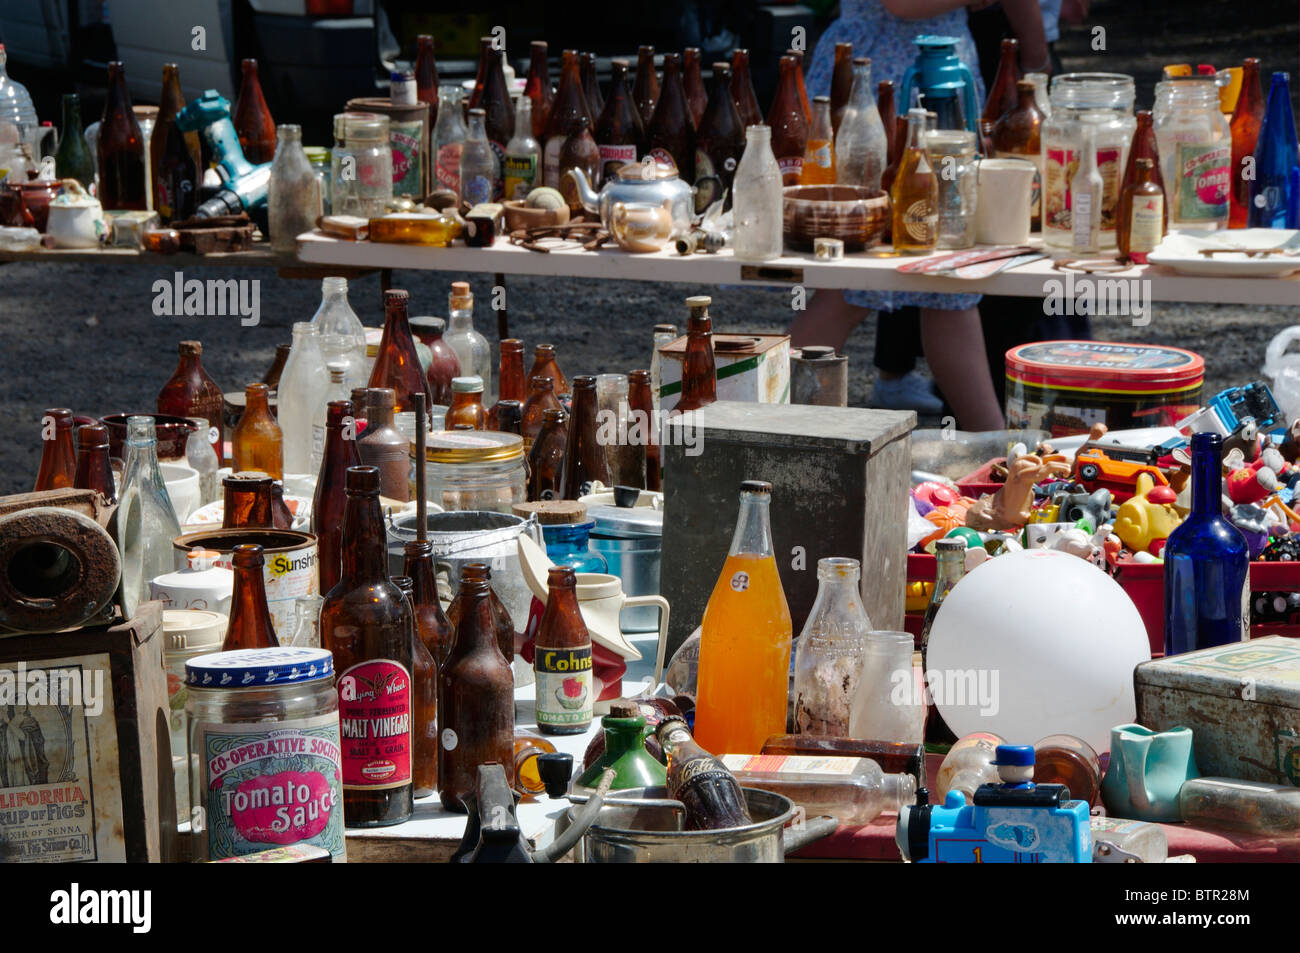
<point x="1255" y="523"/>
<point x="1251" y="482"/>
<point x="1094" y="507"/>
<point x="1011" y="505"/>
<point x="1290" y="447"/>
<point x="1146" y="519"/>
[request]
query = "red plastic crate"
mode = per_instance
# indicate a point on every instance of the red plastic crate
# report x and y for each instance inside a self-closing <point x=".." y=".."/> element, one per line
<point x="981" y="481"/>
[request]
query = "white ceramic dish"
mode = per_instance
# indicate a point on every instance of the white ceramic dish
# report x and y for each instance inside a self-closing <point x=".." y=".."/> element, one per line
<point x="1181" y="251"/>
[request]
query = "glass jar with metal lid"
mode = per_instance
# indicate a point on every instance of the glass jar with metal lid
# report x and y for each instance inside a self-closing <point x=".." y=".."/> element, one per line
<point x="1195" y="145"/>
<point x="474" y="470"/>
<point x="952" y="156"/>
<point x="265" y="765"/>
<point x="1104" y="103"/>
<point x="361" y="165"/>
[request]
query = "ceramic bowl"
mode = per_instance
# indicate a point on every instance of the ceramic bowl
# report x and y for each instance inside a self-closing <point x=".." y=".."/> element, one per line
<point x="519" y="215"/>
<point x="853" y="214"/>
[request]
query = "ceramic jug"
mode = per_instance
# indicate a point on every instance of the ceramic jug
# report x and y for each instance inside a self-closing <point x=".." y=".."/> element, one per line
<point x="1147" y="770"/>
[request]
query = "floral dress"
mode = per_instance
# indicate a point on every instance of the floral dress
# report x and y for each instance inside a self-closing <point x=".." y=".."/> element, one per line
<point x="887" y="40"/>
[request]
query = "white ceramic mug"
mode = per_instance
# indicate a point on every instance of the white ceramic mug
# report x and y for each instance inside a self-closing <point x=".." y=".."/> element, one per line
<point x="1004" y="209"/>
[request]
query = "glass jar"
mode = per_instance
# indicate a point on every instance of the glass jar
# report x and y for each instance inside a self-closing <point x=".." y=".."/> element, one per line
<point x="568" y="544"/>
<point x="361" y="165"/>
<point x="1103" y="102"/>
<point x="319" y="157"/>
<point x="889" y="703"/>
<point x="474" y="470"/>
<point x="1195" y="144"/>
<point x="828" y="657"/>
<point x="188" y="633"/>
<point x="265" y="765"/>
<point x="952" y="156"/>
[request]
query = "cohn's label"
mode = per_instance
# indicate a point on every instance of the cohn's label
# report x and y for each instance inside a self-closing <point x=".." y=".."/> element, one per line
<point x="564" y="695"/>
<point x="375" y="724"/>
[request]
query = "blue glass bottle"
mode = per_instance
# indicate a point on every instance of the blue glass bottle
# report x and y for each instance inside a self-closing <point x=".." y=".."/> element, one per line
<point x="568" y="544"/>
<point x="1207" y="596"/>
<point x="1276" y="154"/>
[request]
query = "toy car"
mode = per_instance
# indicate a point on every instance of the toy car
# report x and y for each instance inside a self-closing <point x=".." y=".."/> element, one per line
<point x="1099" y="467"/>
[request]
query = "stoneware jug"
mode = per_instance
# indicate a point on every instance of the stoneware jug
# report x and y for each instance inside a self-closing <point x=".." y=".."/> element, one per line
<point x="1147" y="770"/>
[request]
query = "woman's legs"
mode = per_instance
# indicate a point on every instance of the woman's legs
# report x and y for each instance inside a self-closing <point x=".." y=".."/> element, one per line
<point x="828" y="320"/>
<point x="954" y="349"/>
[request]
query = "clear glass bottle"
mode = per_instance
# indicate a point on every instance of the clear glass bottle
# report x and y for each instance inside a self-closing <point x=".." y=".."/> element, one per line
<point x="852" y="790"/>
<point x="341" y="336"/>
<point x="828" y="657"/>
<point x="361" y="165"/>
<point x="302" y="387"/>
<point x="860" y="141"/>
<point x="889" y="704"/>
<point x="757" y="203"/>
<point x="967" y="765"/>
<point x="1271" y="810"/>
<point x="472" y="349"/>
<point x="146" y="521"/>
<point x="293" y="199"/>
<point x="523" y="155"/>
<point x="952" y="152"/>
<point x="914" y="193"/>
<point x="448" y="139"/>
<point x="664" y="334"/>
<point x="337" y="388"/>
<point x="478" y="163"/>
<point x="199" y="454"/>
<point x="1195" y="142"/>
<point x="1085" y="199"/>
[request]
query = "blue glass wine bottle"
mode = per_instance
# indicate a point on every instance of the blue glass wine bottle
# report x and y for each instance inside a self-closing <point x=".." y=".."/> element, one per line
<point x="1207" y="595"/>
<point x="1276" y="154"/>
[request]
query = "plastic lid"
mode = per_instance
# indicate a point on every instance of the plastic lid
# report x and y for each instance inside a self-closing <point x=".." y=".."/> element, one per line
<point x="190" y="629"/>
<point x="1020" y="756"/>
<point x="621" y="522"/>
<point x="552" y="512"/>
<point x="250" y="668"/>
<point x="467" y="385"/>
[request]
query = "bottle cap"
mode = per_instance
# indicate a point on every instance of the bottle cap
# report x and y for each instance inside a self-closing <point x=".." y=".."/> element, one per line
<point x="953" y="544"/>
<point x="467" y="385"/>
<point x="200" y="559"/>
<point x="552" y="512"/>
<point x="395" y="294"/>
<point x="190" y="629"/>
<point x="698" y="301"/>
<point x="756" y="486"/>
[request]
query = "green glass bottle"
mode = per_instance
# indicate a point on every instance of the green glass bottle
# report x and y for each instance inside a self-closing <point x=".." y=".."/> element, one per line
<point x="73" y="160"/>
<point x="625" y="752"/>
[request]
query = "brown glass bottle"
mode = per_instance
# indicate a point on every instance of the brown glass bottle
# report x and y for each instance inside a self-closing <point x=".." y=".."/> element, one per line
<point x="253" y="122"/>
<point x="693" y="82"/>
<point x="710" y="792"/>
<point x="699" y="375"/>
<point x="670" y="133"/>
<point x="538" y="88"/>
<point x="579" y="151"/>
<point x="430" y="621"/>
<point x="842" y="83"/>
<point x="803" y="90"/>
<point x="548" y="456"/>
<point x="590" y="84"/>
<point x="789" y="127"/>
<point x="397" y="364"/>
<point x="382" y="445"/>
<point x="484" y="56"/>
<point x="94" y="471"/>
<point x="1140" y="215"/>
<point x="466" y="405"/>
<point x="511" y="381"/>
<point x="888" y="113"/>
<point x="1002" y="97"/>
<point x="1247" y="117"/>
<point x="173" y="155"/>
<point x="257" y="443"/>
<point x="426" y="76"/>
<point x="281" y="515"/>
<point x="58" y="455"/>
<point x="742" y="89"/>
<point x="424" y="705"/>
<point x="192" y="393"/>
<point x="562" y="658"/>
<point x="250" y="625"/>
<point x="541" y="399"/>
<point x="476" y="707"/>
<point x="330" y="499"/>
<point x="891" y="170"/>
<point x="366" y="622"/>
<point x="122" y="183"/>
<point x="510" y="417"/>
<point x="247" y="501"/>
<point x="642" y="425"/>
<point x="544" y="365"/>
<point x="272" y="377"/>
<point x="1143" y="146"/>
<point x="719" y="142"/>
<point x="495" y="101"/>
<point x="586" y="457"/>
<point x="444" y="365"/>
<point x="620" y="131"/>
<point x="502" y="624"/>
<point x="1018" y="132"/>
<point x="645" y="90"/>
<point x="565" y="118"/>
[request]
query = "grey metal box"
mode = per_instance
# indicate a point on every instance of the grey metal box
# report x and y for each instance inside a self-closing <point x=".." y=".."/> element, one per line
<point x="839" y="475"/>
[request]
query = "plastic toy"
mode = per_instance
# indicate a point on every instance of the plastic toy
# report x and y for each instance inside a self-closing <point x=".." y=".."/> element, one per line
<point x="1014" y="822"/>
<point x="1011" y="505"/>
<point x="1251" y="483"/>
<point x="1098" y="467"/>
<point x="1094" y="507"/>
<point x="934" y="494"/>
<point x="1147" y="517"/>
<point x="973" y="538"/>
<point x="946" y="518"/>
<point x="1225" y="411"/>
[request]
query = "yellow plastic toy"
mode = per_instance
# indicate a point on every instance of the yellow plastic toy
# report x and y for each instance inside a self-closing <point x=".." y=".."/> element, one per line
<point x="1148" y="517"/>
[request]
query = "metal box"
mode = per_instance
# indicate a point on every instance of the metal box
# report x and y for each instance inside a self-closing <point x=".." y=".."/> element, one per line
<point x="1242" y="702"/>
<point x="839" y="475"/>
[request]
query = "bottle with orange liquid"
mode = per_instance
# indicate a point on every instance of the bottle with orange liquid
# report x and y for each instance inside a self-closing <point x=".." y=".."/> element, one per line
<point x="744" y="667"/>
<point x="819" y="156"/>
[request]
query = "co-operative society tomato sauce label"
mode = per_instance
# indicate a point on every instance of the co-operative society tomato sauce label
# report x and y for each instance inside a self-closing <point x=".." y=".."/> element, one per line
<point x="375" y="725"/>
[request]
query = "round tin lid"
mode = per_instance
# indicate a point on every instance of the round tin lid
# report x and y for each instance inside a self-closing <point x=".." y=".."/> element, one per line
<point x="471" y="446"/>
<point x="189" y="630"/>
<point x="622" y="522"/>
<point x="251" y="668"/>
<point x="1103" y="366"/>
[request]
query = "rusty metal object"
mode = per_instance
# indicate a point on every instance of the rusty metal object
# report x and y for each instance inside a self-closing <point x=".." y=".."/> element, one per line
<point x="819" y="376"/>
<point x="591" y="235"/>
<point x="86" y="502"/>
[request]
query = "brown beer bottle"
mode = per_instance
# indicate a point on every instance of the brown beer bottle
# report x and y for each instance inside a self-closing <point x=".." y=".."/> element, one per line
<point x="466" y="404"/>
<point x="424" y="706"/>
<point x="366" y="622"/>
<point x="1018" y="132"/>
<point x="484" y="54"/>
<point x="699" y="375"/>
<point x="538" y="88"/>
<point x="272" y="377"/>
<point x="1247" y="117"/>
<point x="430" y="621"/>
<point x="642" y="426"/>
<point x="579" y="151"/>
<point x="544" y="365"/>
<point x="1140" y="215"/>
<point x="397" y="364"/>
<point x="888" y="113"/>
<point x="330" y="499"/>
<point x="789" y="127"/>
<point x="444" y="365"/>
<point x="742" y="89"/>
<point x="250" y="625"/>
<point x="891" y="170"/>
<point x="247" y="501"/>
<point x="567" y="112"/>
<point x="719" y="141"/>
<point x="693" y="82"/>
<point x="476" y="706"/>
<point x="803" y="90"/>
<point x="94" y="471"/>
<point x="501" y="621"/>
<point x="511" y="380"/>
<point x="842" y="83"/>
<point x="562" y="659"/>
<point x="710" y="792"/>
<point x="281" y="515"/>
<point x="620" y="131"/>
<point x="257" y="443"/>
<point x="670" y="134"/>
<point x="510" y="417"/>
<point x="382" y="445"/>
<point x="190" y="392"/>
<point x="590" y="84"/>
<point x="1002" y="97"/>
<point x="494" y="99"/>
<point x="173" y="155"/>
<point x="586" y="457"/>
<point x="1143" y="146"/>
<point x="58" y="455"/>
<point x="539" y="401"/>
<point x="253" y="122"/>
<point x="122" y="182"/>
<point x="426" y="76"/>
<point x="645" y="91"/>
<point x="548" y="457"/>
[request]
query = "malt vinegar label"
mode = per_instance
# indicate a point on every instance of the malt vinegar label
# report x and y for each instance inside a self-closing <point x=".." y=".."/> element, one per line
<point x="375" y="725"/>
<point x="564" y="695"/>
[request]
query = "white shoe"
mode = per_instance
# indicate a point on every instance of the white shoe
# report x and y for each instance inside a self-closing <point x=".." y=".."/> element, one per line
<point x="909" y="392"/>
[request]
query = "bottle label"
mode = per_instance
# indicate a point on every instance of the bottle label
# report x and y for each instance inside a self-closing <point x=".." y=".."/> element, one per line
<point x="701" y="768"/>
<point x="821" y="156"/>
<point x="613" y="158"/>
<point x="476" y="189"/>
<point x="499" y="183"/>
<point x="1203" y="181"/>
<point x="921" y="222"/>
<point x="663" y="157"/>
<point x="791" y="166"/>
<point x="1059" y="166"/>
<point x="404" y="138"/>
<point x="564" y="695"/>
<point x="1081" y="221"/>
<point x="1146" y="225"/>
<point x="521" y="176"/>
<point x="447" y="169"/>
<point x="708" y="184"/>
<point x="789" y="764"/>
<point x="375" y="725"/>
<point x="270" y="784"/>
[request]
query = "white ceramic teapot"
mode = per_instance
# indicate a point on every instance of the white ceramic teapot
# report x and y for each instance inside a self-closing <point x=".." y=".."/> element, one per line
<point x="76" y="218"/>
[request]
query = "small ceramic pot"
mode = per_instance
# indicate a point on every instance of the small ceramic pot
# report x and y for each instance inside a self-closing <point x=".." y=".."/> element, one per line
<point x="76" y="219"/>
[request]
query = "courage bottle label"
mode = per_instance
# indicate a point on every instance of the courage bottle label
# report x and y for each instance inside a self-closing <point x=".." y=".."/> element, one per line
<point x="375" y="725"/>
<point x="564" y="695"/>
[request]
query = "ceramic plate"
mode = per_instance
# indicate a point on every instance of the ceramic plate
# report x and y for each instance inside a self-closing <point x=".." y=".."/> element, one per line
<point x="1181" y="251"/>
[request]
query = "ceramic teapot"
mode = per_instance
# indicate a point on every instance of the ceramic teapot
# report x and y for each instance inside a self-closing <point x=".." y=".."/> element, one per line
<point x="1146" y="771"/>
<point x="76" y="218"/>
<point x="641" y="189"/>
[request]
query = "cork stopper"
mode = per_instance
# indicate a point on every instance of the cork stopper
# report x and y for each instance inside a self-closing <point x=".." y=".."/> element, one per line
<point x="553" y="512"/>
<point x="461" y="296"/>
<point x="695" y="302"/>
<point x="623" y="709"/>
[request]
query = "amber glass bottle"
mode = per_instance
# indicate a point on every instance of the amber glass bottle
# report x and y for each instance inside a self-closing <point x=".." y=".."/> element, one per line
<point x="842" y="83"/>
<point x="539" y="401"/>
<point x="173" y="155"/>
<point x="272" y="376"/>
<point x="590" y="84"/>
<point x="257" y="443"/>
<point x="693" y="83"/>
<point x="544" y="365"/>
<point x="426" y="76"/>
<point x="578" y="151"/>
<point x="382" y="446"/>
<point x="699" y="375"/>
<point x="1018" y="132"/>
<point x="586" y="457"/>
<point x="444" y="365"/>
<point x="247" y="501"/>
<point x="58" y="454"/>
<point x="719" y="141"/>
<point x="424" y="705"/>
<point x="642" y="425"/>
<point x="366" y="622"/>
<point x="484" y="54"/>
<point x="789" y="127"/>
<point x="742" y="89"/>
<point x="330" y="499"/>
<point x="671" y="132"/>
<point x="510" y="417"/>
<point x="645" y="91"/>
<point x="502" y="624"/>
<point x="476" y="706"/>
<point x="281" y="515"/>
<point x="538" y="88"/>
<point x="1140" y="215"/>
<point x="565" y="119"/>
<point x="250" y="625"/>
<point x="914" y="194"/>
<point x="620" y="132"/>
<point x="511" y="385"/>
<point x="1143" y="146"/>
<point x="495" y="101"/>
<point x="122" y="182"/>
<point x="430" y="621"/>
<point x="94" y="471"/>
<point x="397" y="364"/>
<point x="804" y="101"/>
<point x="562" y="659"/>
<point x="192" y="393"/>
<point x="1002" y="97"/>
<point x="1247" y="117"/>
<point x="548" y="456"/>
<point x="253" y="122"/>
<point x="888" y="114"/>
<point x="466" y="404"/>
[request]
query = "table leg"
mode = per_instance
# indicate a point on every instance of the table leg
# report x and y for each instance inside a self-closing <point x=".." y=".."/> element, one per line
<point x="503" y="316"/>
